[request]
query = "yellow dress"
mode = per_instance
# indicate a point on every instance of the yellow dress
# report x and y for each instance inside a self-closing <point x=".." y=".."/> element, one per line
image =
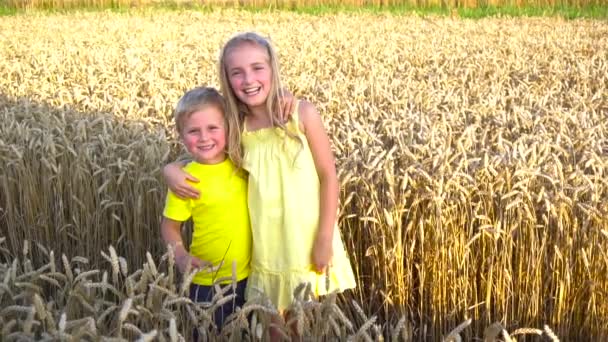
<point x="283" y="203"/>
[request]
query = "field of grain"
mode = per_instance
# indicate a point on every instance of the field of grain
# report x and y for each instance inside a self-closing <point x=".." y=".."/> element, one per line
<point x="473" y="159"/>
<point x="290" y="4"/>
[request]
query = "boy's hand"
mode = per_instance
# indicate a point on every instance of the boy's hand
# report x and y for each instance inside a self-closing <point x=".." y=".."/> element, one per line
<point x="287" y="102"/>
<point x="196" y="263"/>
<point x="177" y="181"/>
<point x="322" y="252"/>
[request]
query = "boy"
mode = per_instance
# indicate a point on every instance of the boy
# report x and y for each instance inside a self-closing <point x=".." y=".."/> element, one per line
<point x="221" y="234"/>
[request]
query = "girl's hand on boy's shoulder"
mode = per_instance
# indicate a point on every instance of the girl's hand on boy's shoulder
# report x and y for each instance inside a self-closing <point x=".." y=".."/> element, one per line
<point x="178" y="181"/>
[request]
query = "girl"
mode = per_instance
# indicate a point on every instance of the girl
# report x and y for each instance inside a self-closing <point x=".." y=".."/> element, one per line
<point x="293" y="187"/>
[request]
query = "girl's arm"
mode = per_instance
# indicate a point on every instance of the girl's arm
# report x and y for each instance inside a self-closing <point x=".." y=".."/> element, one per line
<point x="320" y="147"/>
<point x="176" y="180"/>
<point x="170" y="231"/>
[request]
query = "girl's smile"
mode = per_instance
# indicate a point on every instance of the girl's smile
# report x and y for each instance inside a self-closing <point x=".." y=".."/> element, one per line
<point x="249" y="74"/>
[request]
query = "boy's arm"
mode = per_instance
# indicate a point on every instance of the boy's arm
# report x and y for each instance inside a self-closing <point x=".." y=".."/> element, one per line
<point x="322" y="154"/>
<point x="287" y="103"/>
<point x="170" y="231"/>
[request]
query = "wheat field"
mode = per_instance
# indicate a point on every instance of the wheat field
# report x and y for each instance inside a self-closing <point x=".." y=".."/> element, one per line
<point x="292" y="4"/>
<point x="472" y="155"/>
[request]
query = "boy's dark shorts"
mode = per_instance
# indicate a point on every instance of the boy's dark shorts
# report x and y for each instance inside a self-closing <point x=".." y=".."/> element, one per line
<point x="202" y="293"/>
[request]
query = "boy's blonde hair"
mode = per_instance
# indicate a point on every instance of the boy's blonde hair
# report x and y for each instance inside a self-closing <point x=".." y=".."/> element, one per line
<point x="199" y="98"/>
<point x="236" y="110"/>
<point x="195" y="100"/>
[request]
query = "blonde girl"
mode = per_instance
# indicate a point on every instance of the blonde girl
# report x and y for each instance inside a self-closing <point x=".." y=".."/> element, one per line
<point x="293" y="186"/>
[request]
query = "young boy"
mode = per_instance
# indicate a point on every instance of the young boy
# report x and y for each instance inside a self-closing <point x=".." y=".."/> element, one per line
<point x="221" y="234"/>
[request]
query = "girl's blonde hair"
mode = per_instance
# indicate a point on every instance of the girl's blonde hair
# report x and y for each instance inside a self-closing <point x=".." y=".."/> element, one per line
<point x="237" y="109"/>
<point x="198" y="99"/>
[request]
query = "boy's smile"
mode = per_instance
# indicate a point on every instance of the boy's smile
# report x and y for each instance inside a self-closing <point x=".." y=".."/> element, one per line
<point x="204" y="135"/>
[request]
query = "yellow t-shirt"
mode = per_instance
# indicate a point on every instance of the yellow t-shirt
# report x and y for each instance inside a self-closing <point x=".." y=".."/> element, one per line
<point x="221" y="219"/>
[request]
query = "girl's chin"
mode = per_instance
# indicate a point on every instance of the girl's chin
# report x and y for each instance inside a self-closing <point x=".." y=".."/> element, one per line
<point x="252" y="102"/>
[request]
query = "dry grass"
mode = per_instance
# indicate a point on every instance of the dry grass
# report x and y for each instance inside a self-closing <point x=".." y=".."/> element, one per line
<point x="472" y="157"/>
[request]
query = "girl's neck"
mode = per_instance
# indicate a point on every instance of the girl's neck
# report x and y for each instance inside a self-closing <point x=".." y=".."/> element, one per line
<point x="259" y="112"/>
<point x="258" y="118"/>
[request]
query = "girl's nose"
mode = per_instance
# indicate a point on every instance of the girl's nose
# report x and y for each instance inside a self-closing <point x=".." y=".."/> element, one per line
<point x="246" y="77"/>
